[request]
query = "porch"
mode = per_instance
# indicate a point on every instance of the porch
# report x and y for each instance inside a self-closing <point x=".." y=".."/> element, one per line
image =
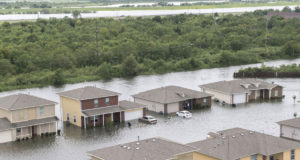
<point x="102" y="116"/>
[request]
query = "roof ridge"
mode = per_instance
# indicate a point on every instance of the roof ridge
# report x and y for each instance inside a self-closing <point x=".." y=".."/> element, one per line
<point x="18" y="98"/>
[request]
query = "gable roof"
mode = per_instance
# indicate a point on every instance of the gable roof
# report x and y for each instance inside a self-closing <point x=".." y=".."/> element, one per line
<point x="238" y="86"/>
<point x="170" y="94"/>
<point x="88" y="92"/>
<point x="150" y="149"/>
<point x="21" y="101"/>
<point x="295" y="122"/>
<point x="239" y="143"/>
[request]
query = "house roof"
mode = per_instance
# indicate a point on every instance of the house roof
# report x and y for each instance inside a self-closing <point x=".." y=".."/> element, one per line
<point x="170" y="94"/>
<point x="21" y="101"/>
<point x="5" y="124"/>
<point x="150" y="149"/>
<point x="127" y="105"/>
<point x="239" y="143"/>
<point x="88" y="92"/>
<point x="238" y="86"/>
<point x="295" y="122"/>
<point x="123" y="106"/>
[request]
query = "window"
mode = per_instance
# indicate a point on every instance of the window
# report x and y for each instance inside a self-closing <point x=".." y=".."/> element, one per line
<point x="96" y="103"/>
<point x="68" y="117"/>
<point x="74" y="118"/>
<point x="96" y="119"/>
<point x="92" y="119"/>
<point x="271" y="157"/>
<point x="292" y="154"/>
<point x="18" y="131"/>
<point x="254" y="157"/>
<point x="42" y="110"/>
<point x="276" y="93"/>
<point x="204" y="101"/>
<point x="107" y="101"/>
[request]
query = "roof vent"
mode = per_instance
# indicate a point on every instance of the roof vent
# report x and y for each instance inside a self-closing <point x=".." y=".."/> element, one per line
<point x="137" y="148"/>
<point x="245" y="85"/>
<point x="128" y="148"/>
<point x="124" y="146"/>
<point x="181" y="95"/>
<point x="223" y="137"/>
<point x="251" y="132"/>
<point x="137" y="143"/>
<point x="242" y="134"/>
<point x="153" y="139"/>
<point x="233" y="136"/>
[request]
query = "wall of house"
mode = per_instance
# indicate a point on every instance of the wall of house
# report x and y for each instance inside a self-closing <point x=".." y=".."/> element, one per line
<point x="201" y="101"/>
<point x="89" y="104"/>
<point x="287" y="154"/>
<point x="32" y="113"/>
<point x="46" y="128"/>
<point x="278" y="156"/>
<point x="151" y="106"/>
<point x="279" y="89"/>
<point x="199" y="156"/>
<point x="5" y="113"/>
<point x="173" y="107"/>
<point x="221" y="96"/>
<point x="239" y="98"/>
<point x="252" y="95"/>
<point x="290" y="132"/>
<point x="72" y="107"/>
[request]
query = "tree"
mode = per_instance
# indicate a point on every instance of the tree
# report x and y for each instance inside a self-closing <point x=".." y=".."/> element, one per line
<point x="58" y="78"/>
<point x="286" y="9"/>
<point x="297" y="9"/>
<point x="129" y="66"/>
<point x="76" y="14"/>
<point x="6" y="67"/>
<point x="105" y="71"/>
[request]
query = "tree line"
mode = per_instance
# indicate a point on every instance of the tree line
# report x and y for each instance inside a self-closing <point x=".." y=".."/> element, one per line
<point x="58" y="51"/>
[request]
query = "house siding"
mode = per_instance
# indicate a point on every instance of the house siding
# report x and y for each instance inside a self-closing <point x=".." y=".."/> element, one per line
<point x="32" y="113"/>
<point x="279" y="89"/>
<point x="89" y="104"/>
<point x="290" y="132"/>
<point x="5" y="113"/>
<point x="72" y="107"/>
<point x="221" y="96"/>
<point x="151" y="106"/>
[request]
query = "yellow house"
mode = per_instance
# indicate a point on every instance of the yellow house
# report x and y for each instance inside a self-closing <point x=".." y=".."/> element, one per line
<point x="91" y="106"/>
<point x="231" y="144"/>
<point x="241" y="144"/>
<point x="23" y="116"/>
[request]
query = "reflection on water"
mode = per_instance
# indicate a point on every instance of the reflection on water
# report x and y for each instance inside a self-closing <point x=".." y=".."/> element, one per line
<point x="74" y="142"/>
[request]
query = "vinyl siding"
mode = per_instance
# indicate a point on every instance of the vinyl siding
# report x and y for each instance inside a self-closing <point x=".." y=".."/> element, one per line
<point x="5" y="113"/>
<point x="287" y="131"/>
<point x="32" y="113"/>
<point x="72" y="107"/>
<point x="151" y="106"/>
<point x="199" y="156"/>
<point x="221" y="96"/>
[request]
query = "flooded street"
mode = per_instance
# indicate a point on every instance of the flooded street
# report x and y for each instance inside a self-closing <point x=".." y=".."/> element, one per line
<point x="136" y="13"/>
<point x="74" y="142"/>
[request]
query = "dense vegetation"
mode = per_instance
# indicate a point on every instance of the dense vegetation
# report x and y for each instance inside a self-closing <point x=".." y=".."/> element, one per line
<point x="263" y="69"/>
<point x="58" y="51"/>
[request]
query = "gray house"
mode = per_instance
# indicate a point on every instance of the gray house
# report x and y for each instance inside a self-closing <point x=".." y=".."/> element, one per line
<point x="290" y="129"/>
<point x="171" y="99"/>
<point x="242" y="90"/>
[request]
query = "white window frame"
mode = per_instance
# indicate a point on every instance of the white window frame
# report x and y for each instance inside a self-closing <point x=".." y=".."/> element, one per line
<point x="204" y="101"/>
<point x="42" y="110"/>
<point x="275" y="92"/>
<point x="74" y="119"/>
<point x="107" y="100"/>
<point x="96" y="102"/>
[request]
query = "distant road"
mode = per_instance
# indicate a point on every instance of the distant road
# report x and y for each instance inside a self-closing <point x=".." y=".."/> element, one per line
<point x="137" y="13"/>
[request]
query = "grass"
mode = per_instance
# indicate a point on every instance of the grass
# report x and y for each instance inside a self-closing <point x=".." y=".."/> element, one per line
<point x="89" y="10"/>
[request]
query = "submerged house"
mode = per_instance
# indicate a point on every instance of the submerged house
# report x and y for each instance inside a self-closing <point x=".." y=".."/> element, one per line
<point x="231" y="144"/>
<point x="24" y="116"/>
<point x="171" y="99"/>
<point x="242" y="90"/>
<point x="290" y="129"/>
<point x="91" y="106"/>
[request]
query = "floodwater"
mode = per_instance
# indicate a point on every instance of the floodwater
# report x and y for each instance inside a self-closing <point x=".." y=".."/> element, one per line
<point x="74" y="142"/>
<point x="136" y="13"/>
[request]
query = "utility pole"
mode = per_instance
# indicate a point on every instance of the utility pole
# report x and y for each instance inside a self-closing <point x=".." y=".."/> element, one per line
<point x="97" y="52"/>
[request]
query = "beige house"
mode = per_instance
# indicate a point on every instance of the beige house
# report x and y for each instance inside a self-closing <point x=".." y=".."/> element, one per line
<point x="231" y="144"/>
<point x="171" y="99"/>
<point x="242" y="90"/>
<point x="24" y="116"/>
<point x="290" y="129"/>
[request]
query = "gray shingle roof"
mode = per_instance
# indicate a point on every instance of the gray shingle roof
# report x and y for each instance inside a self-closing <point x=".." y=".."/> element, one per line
<point x="295" y="122"/>
<point x="5" y="124"/>
<point x="21" y="101"/>
<point x="242" y="143"/>
<point x="127" y="105"/>
<point x="88" y="93"/>
<point x="123" y="106"/>
<point x="159" y="149"/>
<point x="170" y="94"/>
<point x="236" y="86"/>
